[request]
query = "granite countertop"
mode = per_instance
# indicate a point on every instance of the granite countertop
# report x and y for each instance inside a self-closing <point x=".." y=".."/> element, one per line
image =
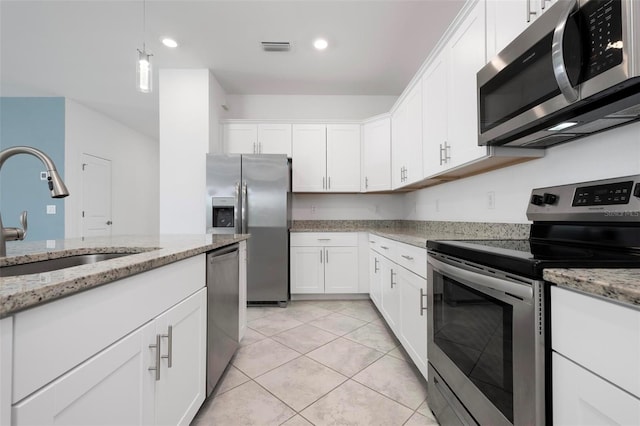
<point x="148" y="252"/>
<point x="620" y="285"/>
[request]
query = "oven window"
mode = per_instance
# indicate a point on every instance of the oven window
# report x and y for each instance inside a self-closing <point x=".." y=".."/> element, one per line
<point x="475" y="331"/>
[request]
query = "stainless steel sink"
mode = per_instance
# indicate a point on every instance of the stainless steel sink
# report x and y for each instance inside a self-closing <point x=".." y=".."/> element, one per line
<point x="55" y="264"/>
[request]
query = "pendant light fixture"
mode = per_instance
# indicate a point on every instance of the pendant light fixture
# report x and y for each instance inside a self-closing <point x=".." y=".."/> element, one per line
<point x="143" y="67"/>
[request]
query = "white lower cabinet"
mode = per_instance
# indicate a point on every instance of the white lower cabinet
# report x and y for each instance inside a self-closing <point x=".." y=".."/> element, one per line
<point x="324" y="263"/>
<point x="595" y="368"/>
<point x="413" y="317"/>
<point x="398" y="287"/>
<point x="117" y="386"/>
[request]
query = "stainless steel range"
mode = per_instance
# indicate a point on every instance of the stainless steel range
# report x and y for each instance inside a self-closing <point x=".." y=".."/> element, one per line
<point x="488" y="363"/>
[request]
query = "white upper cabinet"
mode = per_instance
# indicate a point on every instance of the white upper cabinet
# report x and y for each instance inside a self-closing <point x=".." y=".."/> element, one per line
<point x="326" y="158"/>
<point x="466" y="55"/>
<point x="406" y="139"/>
<point x="261" y="138"/>
<point x="343" y="157"/>
<point x="434" y="110"/>
<point x="309" y="163"/>
<point x="506" y="19"/>
<point x="377" y="155"/>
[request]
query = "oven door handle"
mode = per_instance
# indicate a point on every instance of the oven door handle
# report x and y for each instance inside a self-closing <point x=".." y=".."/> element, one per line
<point x="480" y="281"/>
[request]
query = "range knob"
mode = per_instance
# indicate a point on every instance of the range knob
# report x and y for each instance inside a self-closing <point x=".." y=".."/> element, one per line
<point x="548" y="198"/>
<point x="537" y="200"/>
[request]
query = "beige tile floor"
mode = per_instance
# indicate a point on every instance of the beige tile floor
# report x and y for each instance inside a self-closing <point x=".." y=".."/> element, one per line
<point x="318" y="363"/>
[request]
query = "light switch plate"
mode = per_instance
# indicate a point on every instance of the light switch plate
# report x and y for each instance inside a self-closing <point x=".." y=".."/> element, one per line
<point x="51" y="209"/>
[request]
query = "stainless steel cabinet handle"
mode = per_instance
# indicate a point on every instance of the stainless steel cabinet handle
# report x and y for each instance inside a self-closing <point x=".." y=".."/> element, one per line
<point x="375" y="265"/>
<point x="329" y="184"/>
<point x="529" y="11"/>
<point x="324" y="239"/>
<point x="384" y="247"/>
<point x="407" y="257"/>
<point x="326" y="256"/>
<point x="157" y="348"/>
<point x="323" y="183"/>
<point x="392" y="275"/>
<point x="447" y="152"/>
<point x="366" y="182"/>
<point x="169" y="355"/>
<point x="543" y="4"/>
<point x="422" y="307"/>
<point x="321" y="255"/>
<point x="557" y="55"/>
<point x="441" y="160"/>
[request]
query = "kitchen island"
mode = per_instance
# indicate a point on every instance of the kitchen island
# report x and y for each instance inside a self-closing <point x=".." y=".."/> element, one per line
<point x="68" y="340"/>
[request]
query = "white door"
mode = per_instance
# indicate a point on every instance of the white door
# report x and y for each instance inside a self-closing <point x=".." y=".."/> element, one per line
<point x="466" y="57"/>
<point x="96" y="196"/>
<point x="309" y="161"/>
<point x="181" y="389"/>
<point x="434" y="112"/>
<point x="343" y="157"/>
<point x="307" y="270"/>
<point x="413" y="317"/>
<point x="114" y="387"/>
<point x="274" y="139"/>
<point x="377" y="155"/>
<point x="240" y="138"/>
<point x="341" y="270"/>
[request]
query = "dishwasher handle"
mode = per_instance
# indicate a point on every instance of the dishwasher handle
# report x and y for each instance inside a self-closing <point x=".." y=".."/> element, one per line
<point x="222" y="251"/>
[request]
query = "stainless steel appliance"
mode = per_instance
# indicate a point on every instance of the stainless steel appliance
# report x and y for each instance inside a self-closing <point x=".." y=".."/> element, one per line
<point x="223" y="303"/>
<point x="488" y="363"/>
<point x="251" y="194"/>
<point x="574" y="71"/>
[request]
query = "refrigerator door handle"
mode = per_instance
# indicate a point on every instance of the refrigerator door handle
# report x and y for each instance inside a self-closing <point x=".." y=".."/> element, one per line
<point x="244" y="207"/>
<point x="237" y="228"/>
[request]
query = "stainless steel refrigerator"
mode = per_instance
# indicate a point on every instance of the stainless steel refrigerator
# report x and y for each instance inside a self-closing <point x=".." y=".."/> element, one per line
<point x="252" y="194"/>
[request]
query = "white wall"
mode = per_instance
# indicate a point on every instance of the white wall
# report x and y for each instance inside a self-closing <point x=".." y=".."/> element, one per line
<point x="217" y="98"/>
<point x="606" y="155"/>
<point x="347" y="206"/>
<point x="134" y="170"/>
<point x="186" y="135"/>
<point x="301" y="107"/>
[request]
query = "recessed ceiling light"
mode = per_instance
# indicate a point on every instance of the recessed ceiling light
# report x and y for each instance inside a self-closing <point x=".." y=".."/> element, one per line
<point x="320" y="44"/>
<point x="169" y="42"/>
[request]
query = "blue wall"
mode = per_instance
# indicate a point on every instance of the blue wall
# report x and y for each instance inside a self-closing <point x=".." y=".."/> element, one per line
<point x="36" y="122"/>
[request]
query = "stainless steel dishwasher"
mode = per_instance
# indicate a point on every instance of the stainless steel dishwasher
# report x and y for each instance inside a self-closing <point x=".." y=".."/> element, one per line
<point x="222" y="311"/>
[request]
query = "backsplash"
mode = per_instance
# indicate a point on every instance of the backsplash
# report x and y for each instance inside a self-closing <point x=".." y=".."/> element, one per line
<point x="417" y="227"/>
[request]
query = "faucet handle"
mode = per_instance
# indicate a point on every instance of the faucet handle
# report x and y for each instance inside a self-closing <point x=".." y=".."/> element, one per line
<point x="22" y="233"/>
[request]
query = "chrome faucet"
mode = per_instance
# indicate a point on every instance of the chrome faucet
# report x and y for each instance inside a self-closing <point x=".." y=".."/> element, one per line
<point x="56" y="186"/>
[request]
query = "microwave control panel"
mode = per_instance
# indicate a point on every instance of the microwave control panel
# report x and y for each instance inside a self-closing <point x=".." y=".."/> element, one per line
<point x="603" y="38"/>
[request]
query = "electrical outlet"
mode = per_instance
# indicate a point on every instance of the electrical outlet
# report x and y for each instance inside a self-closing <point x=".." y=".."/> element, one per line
<point x="51" y="209"/>
<point x="491" y="200"/>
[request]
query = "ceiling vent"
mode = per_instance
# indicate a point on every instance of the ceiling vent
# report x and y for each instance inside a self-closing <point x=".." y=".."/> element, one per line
<point x="276" y="46"/>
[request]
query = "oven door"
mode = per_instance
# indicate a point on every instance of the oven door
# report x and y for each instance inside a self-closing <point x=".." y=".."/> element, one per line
<point x="486" y="340"/>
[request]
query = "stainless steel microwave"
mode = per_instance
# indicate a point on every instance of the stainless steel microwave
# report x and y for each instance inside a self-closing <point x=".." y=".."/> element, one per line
<point x="574" y="71"/>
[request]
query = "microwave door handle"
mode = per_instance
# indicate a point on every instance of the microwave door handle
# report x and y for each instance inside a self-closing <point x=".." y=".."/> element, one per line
<point x="557" y="54"/>
<point x="244" y="207"/>
<point x="236" y="210"/>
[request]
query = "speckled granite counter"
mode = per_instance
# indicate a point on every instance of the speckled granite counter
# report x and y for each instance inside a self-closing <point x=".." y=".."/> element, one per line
<point x="25" y="291"/>
<point x="417" y="232"/>
<point x="620" y="285"/>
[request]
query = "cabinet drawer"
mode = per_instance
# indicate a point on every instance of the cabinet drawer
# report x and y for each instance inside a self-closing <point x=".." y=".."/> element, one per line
<point x="384" y="246"/>
<point x="600" y="336"/>
<point x="51" y="339"/>
<point x="324" y="239"/>
<point x="413" y="258"/>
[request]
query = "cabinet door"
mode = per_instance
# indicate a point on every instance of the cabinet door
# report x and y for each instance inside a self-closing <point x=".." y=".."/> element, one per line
<point x="390" y="294"/>
<point x="375" y="279"/>
<point x="582" y="398"/>
<point x="307" y="270"/>
<point x="309" y="163"/>
<point x="274" y="139"/>
<point x="398" y="146"/>
<point x="343" y="157"/>
<point x="506" y="19"/>
<point x="413" y="135"/>
<point x="413" y="317"/>
<point x="434" y="113"/>
<point x="377" y="155"/>
<point x="466" y="57"/>
<point x="114" y="387"/>
<point x="240" y="138"/>
<point x="181" y="389"/>
<point x="341" y="270"/>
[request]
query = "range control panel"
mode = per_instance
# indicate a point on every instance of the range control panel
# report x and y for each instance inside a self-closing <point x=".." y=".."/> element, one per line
<point x="611" y="200"/>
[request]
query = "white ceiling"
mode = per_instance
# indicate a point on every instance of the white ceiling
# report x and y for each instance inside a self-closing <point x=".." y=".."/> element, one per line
<point x="86" y="49"/>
